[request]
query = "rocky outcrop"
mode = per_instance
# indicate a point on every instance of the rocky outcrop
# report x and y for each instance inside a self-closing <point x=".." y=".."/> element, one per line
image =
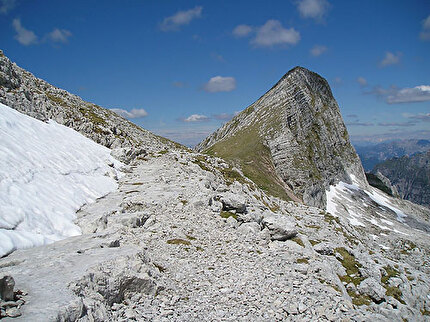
<point x="292" y="139"/>
<point x="409" y="175"/>
<point x="35" y="97"/>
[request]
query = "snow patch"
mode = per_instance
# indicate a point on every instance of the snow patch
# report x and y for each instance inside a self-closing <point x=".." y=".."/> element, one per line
<point x="48" y="171"/>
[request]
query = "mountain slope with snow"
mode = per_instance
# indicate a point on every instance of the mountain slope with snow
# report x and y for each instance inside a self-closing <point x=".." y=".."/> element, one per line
<point x="48" y="171"/>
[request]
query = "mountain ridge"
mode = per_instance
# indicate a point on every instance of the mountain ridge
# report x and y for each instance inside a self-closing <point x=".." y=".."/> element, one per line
<point x="21" y="90"/>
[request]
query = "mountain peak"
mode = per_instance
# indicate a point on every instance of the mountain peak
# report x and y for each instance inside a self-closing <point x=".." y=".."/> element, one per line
<point x="298" y="138"/>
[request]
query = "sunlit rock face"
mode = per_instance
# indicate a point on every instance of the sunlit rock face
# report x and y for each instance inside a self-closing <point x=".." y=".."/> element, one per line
<point x="300" y="129"/>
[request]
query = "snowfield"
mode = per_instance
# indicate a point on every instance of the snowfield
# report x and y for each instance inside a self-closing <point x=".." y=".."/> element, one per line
<point x="48" y="171"/>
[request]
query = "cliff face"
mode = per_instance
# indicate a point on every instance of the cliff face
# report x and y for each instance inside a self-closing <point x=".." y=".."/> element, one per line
<point x="296" y="134"/>
<point x="35" y="97"/>
<point x="410" y="175"/>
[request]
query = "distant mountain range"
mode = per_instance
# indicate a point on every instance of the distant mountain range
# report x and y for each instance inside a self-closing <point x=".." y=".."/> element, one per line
<point x="374" y="154"/>
<point x="410" y="175"/>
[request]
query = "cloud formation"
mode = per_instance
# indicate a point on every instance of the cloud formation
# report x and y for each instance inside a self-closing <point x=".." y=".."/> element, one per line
<point x="425" y="117"/>
<point x="220" y="84"/>
<point x="133" y="114"/>
<point x="314" y="9"/>
<point x="24" y="36"/>
<point x="409" y="95"/>
<point x="362" y="81"/>
<point x="395" y="95"/>
<point x="318" y="50"/>
<point x="390" y="59"/>
<point x="196" y="118"/>
<point x="173" y="23"/>
<point x="403" y="124"/>
<point x="242" y="31"/>
<point x="6" y="6"/>
<point x="425" y="31"/>
<point x="59" y="35"/>
<point x="273" y="33"/>
<point x="359" y="124"/>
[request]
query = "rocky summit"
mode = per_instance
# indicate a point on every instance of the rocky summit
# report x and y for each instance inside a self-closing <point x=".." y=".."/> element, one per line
<point x="188" y="236"/>
<point x="292" y="141"/>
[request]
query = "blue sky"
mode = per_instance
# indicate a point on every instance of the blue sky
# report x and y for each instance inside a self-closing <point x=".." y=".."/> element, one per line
<point x="182" y="68"/>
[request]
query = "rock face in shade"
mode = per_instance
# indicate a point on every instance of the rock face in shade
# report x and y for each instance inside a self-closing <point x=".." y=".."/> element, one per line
<point x="297" y="135"/>
<point x="21" y="90"/>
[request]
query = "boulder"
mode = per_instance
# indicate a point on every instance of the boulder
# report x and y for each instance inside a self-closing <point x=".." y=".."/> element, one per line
<point x="372" y="288"/>
<point x="280" y="227"/>
<point x="7" y="283"/>
<point x="231" y="201"/>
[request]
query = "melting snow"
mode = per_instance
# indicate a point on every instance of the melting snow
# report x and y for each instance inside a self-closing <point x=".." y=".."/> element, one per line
<point x="342" y="192"/>
<point x="48" y="171"/>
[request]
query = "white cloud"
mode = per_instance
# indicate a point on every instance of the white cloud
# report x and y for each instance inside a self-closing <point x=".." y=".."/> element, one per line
<point x="59" y="35"/>
<point x="409" y="95"/>
<point x="181" y="18"/>
<point x="362" y="81"/>
<point x="315" y="9"/>
<point x="425" y="117"/>
<point x="318" y="50"/>
<point x="242" y="31"/>
<point x="272" y="33"/>
<point x="6" y="6"/>
<point x="220" y="84"/>
<point x="24" y="36"/>
<point x="425" y="32"/>
<point x="133" y="114"/>
<point x="196" y="118"/>
<point x="390" y="59"/>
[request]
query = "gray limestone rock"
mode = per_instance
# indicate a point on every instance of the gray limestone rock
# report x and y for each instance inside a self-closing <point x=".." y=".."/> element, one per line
<point x="298" y="126"/>
<point x="7" y="284"/>
<point x="281" y="227"/>
<point x="373" y="289"/>
<point x="231" y="201"/>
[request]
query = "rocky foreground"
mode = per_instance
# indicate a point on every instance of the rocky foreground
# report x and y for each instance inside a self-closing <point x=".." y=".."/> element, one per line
<point x="187" y="238"/>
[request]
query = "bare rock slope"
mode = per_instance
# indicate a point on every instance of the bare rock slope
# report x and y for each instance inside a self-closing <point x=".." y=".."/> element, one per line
<point x="291" y="139"/>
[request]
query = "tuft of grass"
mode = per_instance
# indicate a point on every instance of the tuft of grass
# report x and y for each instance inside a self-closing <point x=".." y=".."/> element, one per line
<point x="314" y="242"/>
<point x="178" y="241"/>
<point x="352" y="267"/>
<point x="56" y="99"/>
<point x="389" y="272"/>
<point x="190" y="237"/>
<point x="227" y="214"/>
<point x="302" y="261"/>
<point x="298" y="240"/>
<point x="359" y="299"/>
<point x="392" y="291"/>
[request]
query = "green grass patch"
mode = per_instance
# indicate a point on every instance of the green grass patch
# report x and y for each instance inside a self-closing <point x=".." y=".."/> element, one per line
<point x="178" y="241"/>
<point x="352" y="267"/>
<point x="56" y="99"/>
<point x="314" y="242"/>
<point x="302" y="261"/>
<point x="298" y="240"/>
<point x="246" y="149"/>
<point x="227" y="214"/>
